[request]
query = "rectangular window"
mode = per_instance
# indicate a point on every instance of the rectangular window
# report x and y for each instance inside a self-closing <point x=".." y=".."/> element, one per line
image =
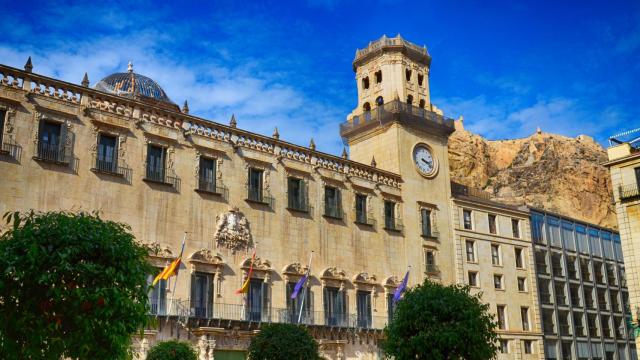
<point x="528" y="346"/>
<point x="332" y="202"/>
<point x="524" y="313"/>
<point x="430" y="261"/>
<point x="515" y="227"/>
<point x="156" y="157"/>
<point x="471" y="252"/>
<point x="107" y="153"/>
<point x="207" y="175"/>
<point x="389" y="215"/>
<point x="158" y="295"/>
<point x="473" y="278"/>
<point x="257" y="300"/>
<point x="363" y="303"/>
<point x="497" y="282"/>
<point x="495" y="254"/>
<point x="202" y="294"/>
<point x="519" y="252"/>
<point x="466" y="217"/>
<point x="425" y="215"/>
<point x="254" y="187"/>
<point x="361" y="208"/>
<point x="504" y="346"/>
<point x="51" y="141"/>
<point x="334" y="307"/>
<point x="522" y="284"/>
<point x="297" y="194"/>
<point x="390" y="306"/>
<point x="502" y="317"/>
<point x="577" y="324"/>
<point x="492" y="224"/>
<point x="299" y="309"/>
<point x="637" y="170"/>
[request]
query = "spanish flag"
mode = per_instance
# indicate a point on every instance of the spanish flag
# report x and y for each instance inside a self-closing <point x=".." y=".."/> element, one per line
<point x="245" y="286"/>
<point x="171" y="269"/>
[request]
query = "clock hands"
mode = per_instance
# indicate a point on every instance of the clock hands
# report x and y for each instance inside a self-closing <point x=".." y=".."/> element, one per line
<point x="426" y="162"/>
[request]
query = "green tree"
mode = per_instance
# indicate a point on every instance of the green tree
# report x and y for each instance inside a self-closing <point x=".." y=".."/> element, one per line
<point x="71" y="286"/>
<point x="172" y="350"/>
<point x="441" y="322"/>
<point x="283" y="341"/>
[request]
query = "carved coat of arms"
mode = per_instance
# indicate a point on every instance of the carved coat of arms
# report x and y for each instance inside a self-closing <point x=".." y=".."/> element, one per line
<point x="232" y="231"/>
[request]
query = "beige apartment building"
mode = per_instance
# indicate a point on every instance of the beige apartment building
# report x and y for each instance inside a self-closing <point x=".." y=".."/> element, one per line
<point x="356" y="223"/>
<point x="494" y="256"/>
<point x="624" y="165"/>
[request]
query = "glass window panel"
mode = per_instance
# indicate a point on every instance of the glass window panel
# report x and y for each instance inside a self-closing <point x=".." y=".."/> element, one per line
<point x="553" y="231"/>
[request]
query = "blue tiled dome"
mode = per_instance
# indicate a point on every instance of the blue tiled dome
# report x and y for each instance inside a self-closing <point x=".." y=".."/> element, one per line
<point x="133" y="85"/>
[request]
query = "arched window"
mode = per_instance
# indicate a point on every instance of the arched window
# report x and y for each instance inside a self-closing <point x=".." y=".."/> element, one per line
<point x="379" y="101"/>
<point x="410" y="99"/>
<point x="407" y="73"/>
<point x="378" y="76"/>
<point x="421" y="104"/>
<point x="365" y="82"/>
<point x="420" y="79"/>
<point x="366" y="106"/>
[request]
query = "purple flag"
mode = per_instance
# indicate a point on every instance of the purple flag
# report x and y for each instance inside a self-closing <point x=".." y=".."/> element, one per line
<point x="400" y="289"/>
<point x="299" y="285"/>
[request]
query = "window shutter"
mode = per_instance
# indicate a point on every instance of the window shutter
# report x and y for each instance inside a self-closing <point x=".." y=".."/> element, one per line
<point x="290" y="193"/>
<point x="63" y="148"/>
<point x="193" y="292"/>
<point x="209" y="295"/>
<point x="304" y="197"/>
<point x="338" y="202"/>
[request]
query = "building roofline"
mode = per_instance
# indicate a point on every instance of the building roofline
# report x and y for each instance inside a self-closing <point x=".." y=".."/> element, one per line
<point x="565" y="217"/>
<point x="79" y="91"/>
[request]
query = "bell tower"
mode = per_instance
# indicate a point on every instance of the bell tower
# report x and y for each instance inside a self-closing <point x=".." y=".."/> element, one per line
<point x="392" y="69"/>
<point x="394" y="105"/>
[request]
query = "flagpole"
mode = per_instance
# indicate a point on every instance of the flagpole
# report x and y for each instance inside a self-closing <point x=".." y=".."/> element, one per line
<point x="184" y="238"/>
<point x="304" y="294"/>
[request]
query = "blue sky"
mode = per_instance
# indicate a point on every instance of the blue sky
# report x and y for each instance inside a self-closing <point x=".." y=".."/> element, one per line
<point x="570" y="67"/>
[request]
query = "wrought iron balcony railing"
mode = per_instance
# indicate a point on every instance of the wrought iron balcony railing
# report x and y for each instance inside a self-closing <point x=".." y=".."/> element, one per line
<point x="160" y="176"/>
<point x="333" y="211"/>
<point x="629" y="191"/>
<point x="210" y="186"/>
<point x="257" y="195"/>
<point x="110" y="167"/>
<point x="11" y="149"/>
<point x="54" y="153"/>
<point x="240" y="312"/>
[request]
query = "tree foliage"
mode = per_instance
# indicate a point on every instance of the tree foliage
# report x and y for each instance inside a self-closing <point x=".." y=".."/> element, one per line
<point x="283" y="341"/>
<point x="71" y="286"/>
<point x="441" y="322"/>
<point x="172" y="350"/>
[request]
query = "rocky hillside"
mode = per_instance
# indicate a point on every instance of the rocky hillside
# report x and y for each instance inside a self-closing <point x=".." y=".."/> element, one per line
<point x="548" y="171"/>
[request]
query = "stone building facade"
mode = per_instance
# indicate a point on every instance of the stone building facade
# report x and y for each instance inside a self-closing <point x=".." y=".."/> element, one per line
<point x="494" y="256"/>
<point x="624" y="166"/>
<point x="356" y="223"/>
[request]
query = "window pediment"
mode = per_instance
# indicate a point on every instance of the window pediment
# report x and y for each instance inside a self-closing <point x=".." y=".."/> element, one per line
<point x="261" y="267"/>
<point x="294" y="270"/>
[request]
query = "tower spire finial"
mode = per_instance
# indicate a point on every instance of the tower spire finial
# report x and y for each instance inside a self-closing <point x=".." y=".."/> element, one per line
<point x="28" y="67"/>
<point x="130" y="67"/>
<point x="373" y="161"/>
<point x="276" y="134"/>
<point x="233" y="122"/>
<point x="344" y="153"/>
<point x="185" y="107"/>
<point x="85" y="80"/>
<point x="312" y="144"/>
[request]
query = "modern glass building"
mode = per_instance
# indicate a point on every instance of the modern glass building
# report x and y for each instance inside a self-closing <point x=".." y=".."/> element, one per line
<point x="584" y="301"/>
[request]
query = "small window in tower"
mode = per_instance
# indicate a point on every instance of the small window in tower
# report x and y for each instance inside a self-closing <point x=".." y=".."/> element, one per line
<point x="378" y="76"/>
<point x="410" y="99"/>
<point x="421" y="104"/>
<point x="379" y="101"/>
<point x="407" y="73"/>
<point x="365" y="82"/>
<point x="420" y="79"/>
<point x="366" y="107"/>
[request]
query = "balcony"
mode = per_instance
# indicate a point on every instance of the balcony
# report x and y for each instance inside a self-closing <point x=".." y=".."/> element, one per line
<point x="11" y="149"/>
<point x="209" y="186"/>
<point x="53" y="153"/>
<point x="159" y="176"/>
<point x="111" y="168"/>
<point x="396" y="111"/>
<point x="257" y="195"/>
<point x="629" y="191"/>
<point x="218" y="313"/>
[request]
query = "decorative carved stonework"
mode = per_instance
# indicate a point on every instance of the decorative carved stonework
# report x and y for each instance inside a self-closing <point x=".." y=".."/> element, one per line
<point x="334" y="277"/>
<point x="294" y="269"/>
<point x="391" y="283"/>
<point x="9" y="121"/>
<point x="158" y="255"/>
<point x="232" y="231"/>
<point x="259" y="265"/>
<point x="365" y="279"/>
<point x="206" y="256"/>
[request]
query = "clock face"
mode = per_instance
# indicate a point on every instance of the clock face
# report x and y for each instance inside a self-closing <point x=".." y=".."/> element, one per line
<point x="425" y="163"/>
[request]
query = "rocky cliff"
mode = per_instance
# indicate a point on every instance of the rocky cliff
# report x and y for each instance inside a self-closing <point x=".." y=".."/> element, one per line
<point x="547" y="171"/>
